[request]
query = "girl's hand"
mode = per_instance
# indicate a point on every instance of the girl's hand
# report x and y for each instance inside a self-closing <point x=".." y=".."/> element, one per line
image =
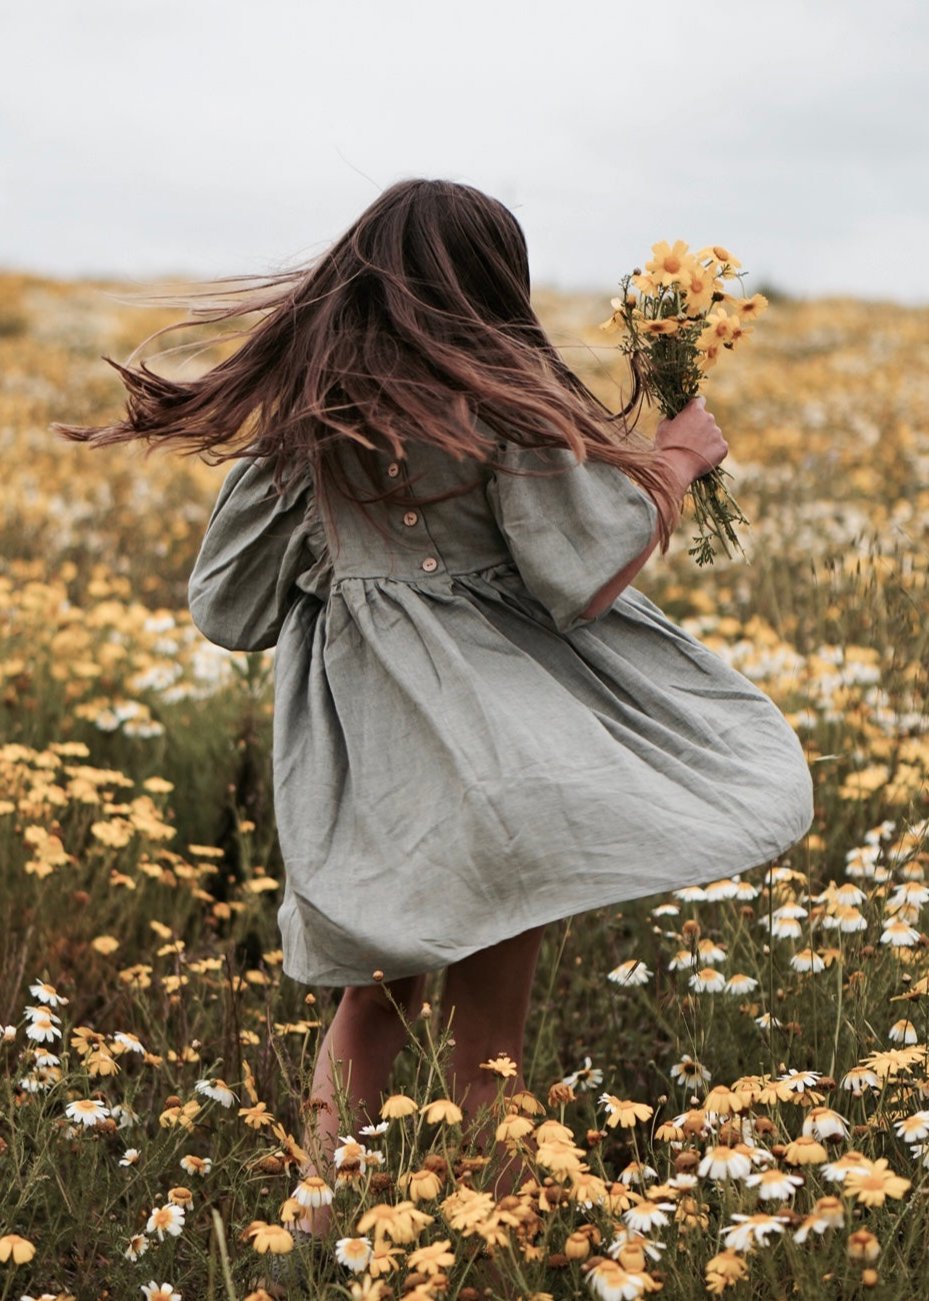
<point x="692" y="442"/>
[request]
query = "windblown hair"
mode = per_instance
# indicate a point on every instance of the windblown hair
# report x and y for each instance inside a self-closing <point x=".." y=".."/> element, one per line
<point x="412" y="325"/>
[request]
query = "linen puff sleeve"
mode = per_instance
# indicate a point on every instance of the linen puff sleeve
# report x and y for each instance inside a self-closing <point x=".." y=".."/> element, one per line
<point x="569" y="533"/>
<point x="261" y="550"/>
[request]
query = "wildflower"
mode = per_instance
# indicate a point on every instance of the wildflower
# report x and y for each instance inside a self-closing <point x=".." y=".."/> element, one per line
<point x="269" y="1237"/>
<point x="741" y="984"/>
<point x="632" y="972"/>
<point x="125" y="1041"/>
<point x="874" y="1183"/>
<point x="585" y="1077"/>
<point x="647" y="1215"/>
<point x="588" y="1189"/>
<point x="689" y="1072"/>
<point x="610" y="1282"/>
<point x="672" y="264"/>
<point x="637" y="1172"/>
<point x="774" y="1184"/>
<point x="160" y="1292"/>
<point x="354" y="1253"/>
<point x="19" y="1250"/>
<point x="805" y="1150"/>
<point x="216" y="1089"/>
<point x="166" y="1219"/>
<point x="767" y="1021"/>
<point x="374" y="1131"/>
<point x="624" y="1113"/>
<point x="397" y="1106"/>
<point x="899" y="934"/>
<point x="724" y="1270"/>
<point x="501" y="1065"/>
<point x="138" y="1246"/>
<point x="863" y="1245"/>
<point x="46" y="993"/>
<point x="846" y="919"/>
<point x="828" y="1213"/>
<point x="432" y="1259"/>
<point x="130" y="1156"/>
<point x="823" y="1123"/>
<point x="707" y="981"/>
<point x="512" y="1128"/>
<point x="350" y="1153"/>
<point x="913" y="1129"/>
<point x="313" y="1191"/>
<point x="800" y="1081"/>
<point x="43" y="1025"/>
<point x="836" y="1171"/>
<point x="196" y="1165"/>
<point x="87" y="1110"/>
<point x="858" y="1079"/>
<point x="723" y="1102"/>
<point x="421" y="1185"/>
<point x="807" y="960"/>
<point x="723" y="1162"/>
<point x="903" y="1032"/>
<point x="749" y="1230"/>
<point x="683" y="959"/>
<point x="442" y="1112"/>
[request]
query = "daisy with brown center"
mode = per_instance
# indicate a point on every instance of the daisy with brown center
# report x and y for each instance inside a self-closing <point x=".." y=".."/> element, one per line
<point x="689" y="1072"/>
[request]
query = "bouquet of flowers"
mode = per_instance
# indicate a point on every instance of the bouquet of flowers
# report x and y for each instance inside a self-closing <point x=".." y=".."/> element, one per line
<point x="677" y="318"/>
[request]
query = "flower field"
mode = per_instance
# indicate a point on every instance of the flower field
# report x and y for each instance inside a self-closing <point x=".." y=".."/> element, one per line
<point x="727" y="1089"/>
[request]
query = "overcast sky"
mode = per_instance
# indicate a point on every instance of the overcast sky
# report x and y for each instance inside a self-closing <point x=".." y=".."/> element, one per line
<point x="216" y="137"/>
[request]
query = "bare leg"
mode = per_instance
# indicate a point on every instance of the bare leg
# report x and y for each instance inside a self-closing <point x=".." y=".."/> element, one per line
<point x="487" y="997"/>
<point x="360" y="1045"/>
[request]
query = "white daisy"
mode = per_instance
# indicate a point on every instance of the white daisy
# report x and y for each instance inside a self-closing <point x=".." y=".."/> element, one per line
<point x="632" y="972"/>
<point x="748" y="1230"/>
<point x="86" y="1110"/>
<point x="216" y="1089"/>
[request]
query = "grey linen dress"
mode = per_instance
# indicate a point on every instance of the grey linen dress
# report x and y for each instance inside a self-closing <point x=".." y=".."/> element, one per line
<point x="458" y="754"/>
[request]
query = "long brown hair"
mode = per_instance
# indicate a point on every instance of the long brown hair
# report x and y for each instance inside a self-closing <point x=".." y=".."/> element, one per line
<point x="411" y="325"/>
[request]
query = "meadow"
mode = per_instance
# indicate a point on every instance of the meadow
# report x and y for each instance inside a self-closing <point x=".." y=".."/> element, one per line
<point x="727" y="1088"/>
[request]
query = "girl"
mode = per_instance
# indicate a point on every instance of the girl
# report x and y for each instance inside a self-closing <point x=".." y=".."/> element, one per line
<point x="480" y="726"/>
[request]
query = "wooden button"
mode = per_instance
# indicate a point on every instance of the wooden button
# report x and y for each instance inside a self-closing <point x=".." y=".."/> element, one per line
<point x="410" y="518"/>
<point x="393" y="469"/>
<point x="430" y="563"/>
